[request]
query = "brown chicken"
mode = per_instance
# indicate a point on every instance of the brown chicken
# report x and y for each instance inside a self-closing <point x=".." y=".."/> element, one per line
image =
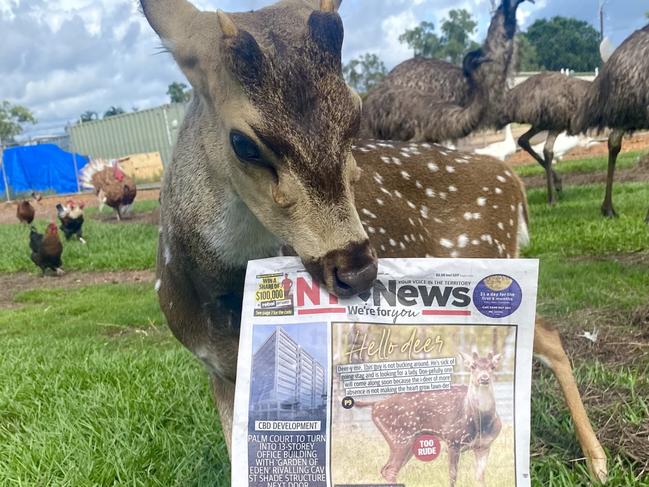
<point x="47" y="249"/>
<point x="25" y="212"/>
<point x="115" y="189"/>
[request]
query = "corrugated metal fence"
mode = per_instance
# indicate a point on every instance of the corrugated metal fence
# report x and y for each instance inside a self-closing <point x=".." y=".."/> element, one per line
<point x="153" y="130"/>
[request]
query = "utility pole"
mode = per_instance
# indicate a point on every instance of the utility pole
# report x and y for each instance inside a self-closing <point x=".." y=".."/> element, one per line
<point x="4" y="172"/>
<point x="602" y="3"/>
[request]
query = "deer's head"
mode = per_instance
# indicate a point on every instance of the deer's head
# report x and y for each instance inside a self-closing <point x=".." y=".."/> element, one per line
<point x="281" y="125"/>
<point x="481" y="368"/>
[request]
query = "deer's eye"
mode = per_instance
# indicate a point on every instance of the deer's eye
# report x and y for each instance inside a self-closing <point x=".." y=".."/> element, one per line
<point x="245" y="148"/>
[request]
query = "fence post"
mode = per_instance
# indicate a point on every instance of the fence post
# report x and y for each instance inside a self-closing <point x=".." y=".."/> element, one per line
<point x="4" y="173"/>
<point x="76" y="168"/>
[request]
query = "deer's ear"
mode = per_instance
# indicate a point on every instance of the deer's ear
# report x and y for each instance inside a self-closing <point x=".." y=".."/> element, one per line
<point x="467" y="359"/>
<point x="495" y="360"/>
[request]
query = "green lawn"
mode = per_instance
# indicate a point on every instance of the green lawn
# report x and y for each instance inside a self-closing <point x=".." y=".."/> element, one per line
<point x="110" y="247"/>
<point x="94" y="390"/>
<point x="580" y="166"/>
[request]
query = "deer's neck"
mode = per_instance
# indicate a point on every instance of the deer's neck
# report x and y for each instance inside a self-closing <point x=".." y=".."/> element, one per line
<point x="480" y="400"/>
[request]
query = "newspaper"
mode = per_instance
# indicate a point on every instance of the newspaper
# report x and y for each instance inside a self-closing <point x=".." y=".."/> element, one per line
<point x="423" y="378"/>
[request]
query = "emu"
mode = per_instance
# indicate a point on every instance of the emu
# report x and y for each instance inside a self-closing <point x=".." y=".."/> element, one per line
<point x="406" y="115"/>
<point x="266" y="160"/>
<point x="618" y="99"/>
<point x="546" y="101"/>
<point x="431" y="83"/>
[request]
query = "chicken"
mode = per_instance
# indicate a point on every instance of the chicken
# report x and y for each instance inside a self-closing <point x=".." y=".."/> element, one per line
<point x="25" y="212"/>
<point x="71" y="217"/>
<point x="46" y="249"/>
<point x="114" y="188"/>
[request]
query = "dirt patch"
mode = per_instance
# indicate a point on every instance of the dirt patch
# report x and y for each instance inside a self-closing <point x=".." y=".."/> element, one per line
<point x="639" y="173"/>
<point x="12" y="284"/>
<point x="151" y="217"/>
<point x="46" y="207"/>
<point x="636" y="142"/>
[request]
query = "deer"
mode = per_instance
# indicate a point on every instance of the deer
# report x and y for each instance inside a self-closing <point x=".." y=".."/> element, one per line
<point x="267" y="163"/>
<point x="464" y="417"/>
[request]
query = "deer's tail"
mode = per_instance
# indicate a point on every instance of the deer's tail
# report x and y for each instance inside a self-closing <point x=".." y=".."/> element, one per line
<point x="364" y="404"/>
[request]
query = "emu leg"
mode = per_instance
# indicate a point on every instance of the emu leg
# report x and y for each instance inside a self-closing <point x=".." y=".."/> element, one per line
<point x="614" y="147"/>
<point x="548" y="348"/>
<point x="223" y="394"/>
<point x="524" y="143"/>
<point x="548" y="154"/>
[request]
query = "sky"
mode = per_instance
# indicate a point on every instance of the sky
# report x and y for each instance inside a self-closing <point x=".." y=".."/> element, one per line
<point x="63" y="57"/>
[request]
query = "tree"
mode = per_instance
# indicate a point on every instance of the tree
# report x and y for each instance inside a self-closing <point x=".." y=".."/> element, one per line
<point x="364" y="72"/>
<point x="528" y="58"/>
<point x="423" y="40"/>
<point x="179" y="92"/>
<point x="457" y="29"/>
<point x="112" y="111"/>
<point x="563" y="42"/>
<point x="451" y="46"/>
<point x="12" y="119"/>
<point x="88" y="116"/>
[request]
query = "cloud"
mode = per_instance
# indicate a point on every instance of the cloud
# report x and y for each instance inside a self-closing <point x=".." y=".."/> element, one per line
<point x="63" y="57"/>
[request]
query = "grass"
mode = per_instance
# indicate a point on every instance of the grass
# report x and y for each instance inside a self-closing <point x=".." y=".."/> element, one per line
<point x="94" y="390"/>
<point x="110" y="247"/>
<point x="582" y="166"/>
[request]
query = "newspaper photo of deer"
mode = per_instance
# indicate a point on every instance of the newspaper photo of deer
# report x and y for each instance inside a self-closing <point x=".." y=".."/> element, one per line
<point x="423" y="405"/>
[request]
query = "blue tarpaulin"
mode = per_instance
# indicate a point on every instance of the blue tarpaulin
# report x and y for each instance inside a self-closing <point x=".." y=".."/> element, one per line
<point x="43" y="167"/>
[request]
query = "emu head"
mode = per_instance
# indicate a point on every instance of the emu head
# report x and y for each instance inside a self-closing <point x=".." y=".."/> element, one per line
<point x="282" y="123"/>
<point x="509" y="8"/>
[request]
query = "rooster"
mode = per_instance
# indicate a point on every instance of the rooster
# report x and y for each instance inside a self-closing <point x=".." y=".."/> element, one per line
<point x="71" y="217"/>
<point x="46" y="249"/>
<point x="112" y="186"/>
<point x="25" y="212"/>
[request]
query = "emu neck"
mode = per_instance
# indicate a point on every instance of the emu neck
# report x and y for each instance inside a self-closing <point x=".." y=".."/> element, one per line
<point x="499" y="47"/>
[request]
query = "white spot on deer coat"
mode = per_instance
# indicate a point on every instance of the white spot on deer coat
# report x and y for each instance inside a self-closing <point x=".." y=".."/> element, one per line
<point x="167" y="255"/>
<point x="462" y="241"/>
<point x="452" y="189"/>
<point x="444" y="242"/>
<point x="433" y="167"/>
<point x="481" y="201"/>
<point x="405" y="175"/>
<point x="430" y="193"/>
<point x="392" y="242"/>
<point x="450" y="169"/>
<point x="501" y="179"/>
<point x="501" y="226"/>
<point x="379" y="201"/>
<point x="499" y="191"/>
<point x="367" y="212"/>
<point x="157" y="286"/>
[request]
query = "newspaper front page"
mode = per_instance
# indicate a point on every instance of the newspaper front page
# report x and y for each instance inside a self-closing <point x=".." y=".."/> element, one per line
<point x="423" y="380"/>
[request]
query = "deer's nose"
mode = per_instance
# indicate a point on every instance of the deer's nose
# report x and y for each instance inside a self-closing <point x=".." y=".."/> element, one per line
<point x="484" y="379"/>
<point x="347" y="271"/>
<point x="355" y="280"/>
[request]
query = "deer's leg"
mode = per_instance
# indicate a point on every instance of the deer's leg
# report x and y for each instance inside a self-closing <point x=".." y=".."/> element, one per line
<point x="223" y="394"/>
<point x="551" y="176"/>
<point x="549" y="349"/>
<point x="399" y="455"/>
<point x="614" y="147"/>
<point x="453" y="459"/>
<point x="481" y="458"/>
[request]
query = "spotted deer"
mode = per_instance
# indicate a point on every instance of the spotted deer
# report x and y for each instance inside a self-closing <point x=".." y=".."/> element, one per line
<point x="464" y="417"/>
<point x="264" y="163"/>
